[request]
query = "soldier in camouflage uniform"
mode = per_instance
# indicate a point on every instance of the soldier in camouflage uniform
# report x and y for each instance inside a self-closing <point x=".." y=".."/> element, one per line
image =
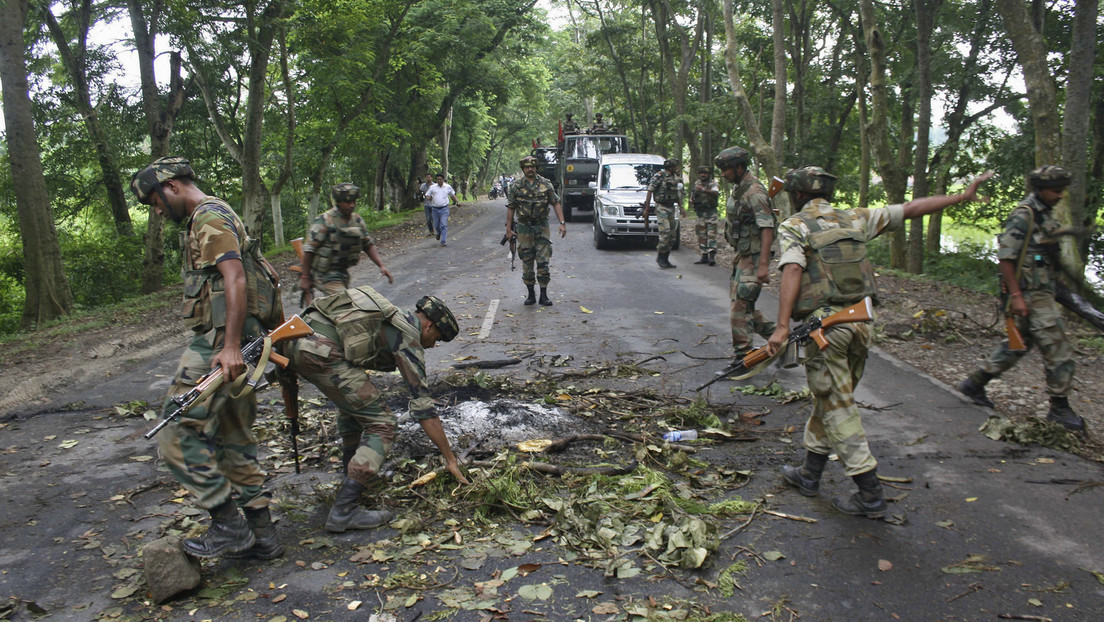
<point x="569" y="126"/>
<point x="333" y="245"/>
<point x="749" y="228"/>
<point x="211" y="449"/>
<point x="704" y="200"/>
<point x="824" y="269"/>
<point x="527" y="200"/>
<point x="599" y="126"/>
<point x="664" y="188"/>
<point x="356" y="331"/>
<point x="1029" y="295"/>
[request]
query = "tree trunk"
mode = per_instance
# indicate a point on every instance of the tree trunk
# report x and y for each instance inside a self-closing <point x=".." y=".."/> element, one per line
<point x="678" y="78"/>
<point x="764" y="152"/>
<point x="925" y="11"/>
<point x="445" y="137"/>
<point x="1075" y="126"/>
<point x="47" y="290"/>
<point x="289" y="146"/>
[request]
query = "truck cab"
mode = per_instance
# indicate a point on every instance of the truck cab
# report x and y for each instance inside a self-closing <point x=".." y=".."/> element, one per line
<point x="578" y="167"/>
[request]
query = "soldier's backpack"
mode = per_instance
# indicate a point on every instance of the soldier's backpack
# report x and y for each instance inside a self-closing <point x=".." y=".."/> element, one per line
<point x="837" y="270"/>
<point x="359" y="315"/>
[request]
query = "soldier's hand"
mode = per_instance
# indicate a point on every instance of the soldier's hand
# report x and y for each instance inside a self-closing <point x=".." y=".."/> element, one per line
<point x="1018" y="306"/>
<point x="454" y="468"/>
<point x="563" y="231"/>
<point x="387" y="273"/>
<point x="231" y="361"/>
<point x="778" y="339"/>
<point x="971" y="191"/>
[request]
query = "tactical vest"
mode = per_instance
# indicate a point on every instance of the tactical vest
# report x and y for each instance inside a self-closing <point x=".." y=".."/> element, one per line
<point x="531" y="202"/>
<point x="359" y="315"/>
<point x="204" y="305"/>
<point x="1039" y="267"/>
<point x="667" y="193"/>
<point x="703" y="201"/>
<point x="742" y="232"/>
<point x="341" y="250"/>
<point x="837" y="270"/>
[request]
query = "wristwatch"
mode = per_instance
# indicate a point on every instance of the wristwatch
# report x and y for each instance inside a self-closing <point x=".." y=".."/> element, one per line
<point x="562" y="223"/>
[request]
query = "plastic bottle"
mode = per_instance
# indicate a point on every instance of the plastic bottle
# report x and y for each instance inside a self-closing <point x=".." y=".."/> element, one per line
<point x="680" y="435"/>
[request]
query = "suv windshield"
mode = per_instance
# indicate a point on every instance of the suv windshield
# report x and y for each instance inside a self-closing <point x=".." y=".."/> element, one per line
<point x="590" y="147"/>
<point x="628" y="175"/>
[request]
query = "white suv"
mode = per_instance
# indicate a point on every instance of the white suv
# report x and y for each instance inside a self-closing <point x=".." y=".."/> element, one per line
<point x="619" y="198"/>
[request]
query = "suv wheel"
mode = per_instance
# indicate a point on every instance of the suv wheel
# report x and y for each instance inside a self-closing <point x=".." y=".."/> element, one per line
<point x="601" y="240"/>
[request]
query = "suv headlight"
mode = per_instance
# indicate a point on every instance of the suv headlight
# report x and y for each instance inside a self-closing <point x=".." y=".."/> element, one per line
<point x="608" y="209"/>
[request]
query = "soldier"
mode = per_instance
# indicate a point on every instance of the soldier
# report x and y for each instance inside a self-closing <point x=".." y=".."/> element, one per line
<point x="569" y="126"/>
<point x="749" y="228"/>
<point x="664" y="186"/>
<point x="356" y="331"/>
<point x="334" y="243"/>
<point x="704" y="201"/>
<point x="527" y="199"/>
<point x="1031" y="233"/>
<point x="211" y="449"/>
<point x="599" y="125"/>
<point x="824" y="269"/>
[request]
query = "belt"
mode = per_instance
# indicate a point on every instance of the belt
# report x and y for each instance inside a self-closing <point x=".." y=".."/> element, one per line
<point x="438" y="206"/>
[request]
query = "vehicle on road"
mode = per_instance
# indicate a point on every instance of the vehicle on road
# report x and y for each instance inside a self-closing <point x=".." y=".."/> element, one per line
<point x="578" y="167"/>
<point x="620" y="188"/>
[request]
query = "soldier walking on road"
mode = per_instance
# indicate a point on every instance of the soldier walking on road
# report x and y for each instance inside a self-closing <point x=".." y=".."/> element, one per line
<point x="357" y="331"/>
<point x="1029" y="265"/>
<point x="664" y="188"/>
<point x="333" y="245"/>
<point x="704" y="200"/>
<point x="749" y="228"/>
<point x="527" y="200"/>
<point x="824" y="269"/>
<point x="211" y="449"/>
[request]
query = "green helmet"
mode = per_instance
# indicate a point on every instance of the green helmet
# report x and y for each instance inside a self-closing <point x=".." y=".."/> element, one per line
<point x="704" y="169"/>
<point x="671" y="163"/>
<point x="732" y="157"/>
<point x="148" y="180"/>
<point x="345" y="192"/>
<point x="811" y="180"/>
<point x="437" y="312"/>
<point x="528" y="161"/>
<point x="1049" y="176"/>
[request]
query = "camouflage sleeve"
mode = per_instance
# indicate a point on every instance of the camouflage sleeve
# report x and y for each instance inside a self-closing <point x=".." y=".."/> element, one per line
<point x="713" y="187"/>
<point x="1011" y="240"/>
<point x="791" y="241"/>
<point x="511" y="196"/>
<point x="881" y="219"/>
<point x="759" y="201"/>
<point x="550" y="192"/>
<point x="655" y="182"/>
<point x="216" y="234"/>
<point x="410" y="363"/>
<point x="316" y="236"/>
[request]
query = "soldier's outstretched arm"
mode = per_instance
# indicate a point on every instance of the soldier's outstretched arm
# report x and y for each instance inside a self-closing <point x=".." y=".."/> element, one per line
<point x="926" y="205"/>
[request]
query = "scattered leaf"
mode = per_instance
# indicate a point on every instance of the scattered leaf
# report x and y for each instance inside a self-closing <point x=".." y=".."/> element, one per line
<point x="279" y="598"/>
<point x="425" y="479"/>
<point x="299" y="613"/>
<point x="588" y="594"/>
<point x="1035" y="602"/>
<point x="125" y="591"/>
<point x="353" y="606"/>
<point x="607" y="608"/>
<point x="584" y="309"/>
<point x="540" y="591"/>
<point x="69" y="444"/>
<point x="773" y="556"/>
<point x="534" y="446"/>
<point x="885" y="565"/>
<point x="971" y="499"/>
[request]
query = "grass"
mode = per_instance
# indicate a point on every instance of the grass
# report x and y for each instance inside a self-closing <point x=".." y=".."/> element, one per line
<point x="969" y="267"/>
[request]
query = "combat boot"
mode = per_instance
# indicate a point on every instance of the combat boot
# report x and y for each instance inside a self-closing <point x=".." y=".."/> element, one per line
<point x="704" y="259"/>
<point x="869" y="501"/>
<point x="545" y="302"/>
<point x="661" y="259"/>
<point x="712" y="258"/>
<point x="1060" y="412"/>
<point x="973" y="387"/>
<point x="532" y="299"/>
<point x="346" y="512"/>
<point x="806" y="478"/>
<point x="228" y="533"/>
<point x="266" y="545"/>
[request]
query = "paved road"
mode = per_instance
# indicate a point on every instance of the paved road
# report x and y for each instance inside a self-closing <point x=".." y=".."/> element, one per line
<point x="1014" y="507"/>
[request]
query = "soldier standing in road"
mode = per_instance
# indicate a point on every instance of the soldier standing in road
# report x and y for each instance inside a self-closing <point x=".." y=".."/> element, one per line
<point x="333" y="245"/>
<point x="749" y="228"/>
<point x="356" y="331"/>
<point x="211" y="449"/>
<point x="527" y="200"/>
<point x="824" y="269"/>
<point x="664" y="188"/>
<point x="1029" y="265"/>
<point x="704" y="200"/>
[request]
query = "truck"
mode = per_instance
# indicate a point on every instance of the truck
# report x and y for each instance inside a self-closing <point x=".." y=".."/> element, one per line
<point x="577" y="167"/>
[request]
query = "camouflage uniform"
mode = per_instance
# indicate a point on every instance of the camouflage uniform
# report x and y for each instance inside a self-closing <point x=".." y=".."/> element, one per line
<point x="665" y="193"/>
<point x="336" y="246"/>
<point x="747" y="212"/>
<point x="211" y="449"/>
<point x="833" y="373"/>
<point x="530" y="201"/>
<point x="599" y="125"/>
<point x="705" y="207"/>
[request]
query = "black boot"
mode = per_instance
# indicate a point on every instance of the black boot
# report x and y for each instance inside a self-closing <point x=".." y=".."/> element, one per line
<point x="704" y="259"/>
<point x="712" y="258"/>
<point x="869" y="501"/>
<point x="346" y="512"/>
<point x="1060" y="412"/>
<point x="228" y="533"/>
<point x="545" y="302"/>
<point x="532" y="299"/>
<point x="661" y="259"/>
<point x="973" y="387"/>
<point x="806" y="478"/>
<point x="267" y="545"/>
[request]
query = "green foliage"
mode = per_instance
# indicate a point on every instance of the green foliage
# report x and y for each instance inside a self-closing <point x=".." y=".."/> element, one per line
<point x="971" y="266"/>
<point x="698" y="415"/>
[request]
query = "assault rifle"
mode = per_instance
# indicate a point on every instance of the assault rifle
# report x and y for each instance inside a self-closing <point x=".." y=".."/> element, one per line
<point x="513" y="245"/>
<point x="754" y="361"/>
<point x="256" y="353"/>
<point x="1074" y="302"/>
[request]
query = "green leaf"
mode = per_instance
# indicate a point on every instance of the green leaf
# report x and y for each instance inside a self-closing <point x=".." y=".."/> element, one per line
<point x="773" y="556"/>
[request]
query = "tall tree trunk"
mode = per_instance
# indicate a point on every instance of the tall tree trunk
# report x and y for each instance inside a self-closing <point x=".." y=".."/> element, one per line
<point x="766" y="155"/>
<point x="47" y="290"/>
<point x="1075" y="126"/>
<point x="925" y="11"/>
<point x="678" y="78"/>
<point x="445" y="138"/>
<point x="289" y="145"/>
<point x="622" y="72"/>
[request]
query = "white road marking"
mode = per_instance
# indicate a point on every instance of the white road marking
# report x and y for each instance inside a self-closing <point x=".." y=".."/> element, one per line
<point x="488" y="320"/>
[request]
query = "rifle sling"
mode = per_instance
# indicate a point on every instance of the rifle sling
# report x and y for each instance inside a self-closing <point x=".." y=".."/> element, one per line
<point x="1023" y="254"/>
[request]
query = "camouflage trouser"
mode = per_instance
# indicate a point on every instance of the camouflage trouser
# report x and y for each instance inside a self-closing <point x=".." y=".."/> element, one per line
<point x="211" y="449"/>
<point x="832" y="374"/>
<point x="534" y="246"/>
<point x="333" y="283"/>
<point x="706" y="229"/>
<point x="665" y="219"/>
<point x="363" y="419"/>
<point x="744" y="290"/>
<point x="1042" y="327"/>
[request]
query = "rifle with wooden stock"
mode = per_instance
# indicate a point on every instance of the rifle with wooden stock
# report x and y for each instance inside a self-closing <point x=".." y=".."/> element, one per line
<point x="754" y="361"/>
<point x="256" y="354"/>
<point x="512" y="239"/>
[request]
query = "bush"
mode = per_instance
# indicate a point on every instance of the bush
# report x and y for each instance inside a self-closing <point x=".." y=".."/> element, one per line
<point x="970" y="266"/>
<point x="102" y="269"/>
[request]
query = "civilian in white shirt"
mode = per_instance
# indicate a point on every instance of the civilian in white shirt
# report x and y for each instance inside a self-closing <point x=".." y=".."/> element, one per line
<point x="439" y="195"/>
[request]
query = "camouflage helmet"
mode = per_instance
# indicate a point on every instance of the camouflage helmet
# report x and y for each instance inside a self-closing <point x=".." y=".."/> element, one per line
<point x="148" y="180"/>
<point x="671" y="163"/>
<point x="1049" y="176"/>
<point x="598" y="115"/>
<point x="345" y="192"/>
<point x="437" y="312"/>
<point x="704" y="169"/>
<point x="528" y="161"/>
<point x="812" y="180"/>
<point x="732" y="157"/>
